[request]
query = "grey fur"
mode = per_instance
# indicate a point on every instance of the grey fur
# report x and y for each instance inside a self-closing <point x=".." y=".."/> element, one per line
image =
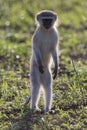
<point x="44" y="49"/>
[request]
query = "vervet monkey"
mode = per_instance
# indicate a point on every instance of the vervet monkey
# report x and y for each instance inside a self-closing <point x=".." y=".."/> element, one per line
<point x="44" y="48"/>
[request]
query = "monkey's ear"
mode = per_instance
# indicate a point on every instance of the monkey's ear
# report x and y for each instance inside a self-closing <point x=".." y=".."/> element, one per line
<point x="56" y="19"/>
<point x="38" y="17"/>
<point x="55" y="16"/>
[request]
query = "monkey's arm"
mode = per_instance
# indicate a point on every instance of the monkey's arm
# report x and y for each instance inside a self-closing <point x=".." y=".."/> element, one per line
<point x="55" y="59"/>
<point x="38" y="58"/>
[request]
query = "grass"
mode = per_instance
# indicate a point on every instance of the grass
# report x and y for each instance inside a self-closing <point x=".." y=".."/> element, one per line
<point x="69" y="88"/>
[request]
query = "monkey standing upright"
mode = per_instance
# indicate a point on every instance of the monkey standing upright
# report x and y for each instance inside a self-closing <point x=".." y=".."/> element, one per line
<point x="44" y="48"/>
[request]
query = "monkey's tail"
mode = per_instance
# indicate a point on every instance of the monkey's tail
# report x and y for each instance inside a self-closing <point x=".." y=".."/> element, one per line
<point x="27" y="101"/>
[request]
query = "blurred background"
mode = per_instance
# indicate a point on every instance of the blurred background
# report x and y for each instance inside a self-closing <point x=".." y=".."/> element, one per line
<point x="17" y="25"/>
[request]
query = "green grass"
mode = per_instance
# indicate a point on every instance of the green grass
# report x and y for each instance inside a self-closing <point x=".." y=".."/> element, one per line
<point x="69" y="88"/>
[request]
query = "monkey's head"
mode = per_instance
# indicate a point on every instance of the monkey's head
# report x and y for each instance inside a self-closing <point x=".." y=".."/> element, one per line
<point x="46" y="19"/>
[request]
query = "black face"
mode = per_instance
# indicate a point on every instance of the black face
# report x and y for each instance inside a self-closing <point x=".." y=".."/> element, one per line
<point x="47" y="23"/>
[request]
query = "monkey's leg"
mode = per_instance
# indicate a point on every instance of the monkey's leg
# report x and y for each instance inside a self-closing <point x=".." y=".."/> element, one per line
<point x="35" y="88"/>
<point x="47" y="85"/>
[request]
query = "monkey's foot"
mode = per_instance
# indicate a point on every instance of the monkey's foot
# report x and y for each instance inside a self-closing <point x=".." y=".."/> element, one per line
<point x="36" y="109"/>
<point x="50" y="111"/>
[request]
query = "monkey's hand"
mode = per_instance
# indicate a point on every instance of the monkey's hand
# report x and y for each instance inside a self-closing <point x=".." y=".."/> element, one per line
<point x="54" y="72"/>
<point x="41" y="69"/>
